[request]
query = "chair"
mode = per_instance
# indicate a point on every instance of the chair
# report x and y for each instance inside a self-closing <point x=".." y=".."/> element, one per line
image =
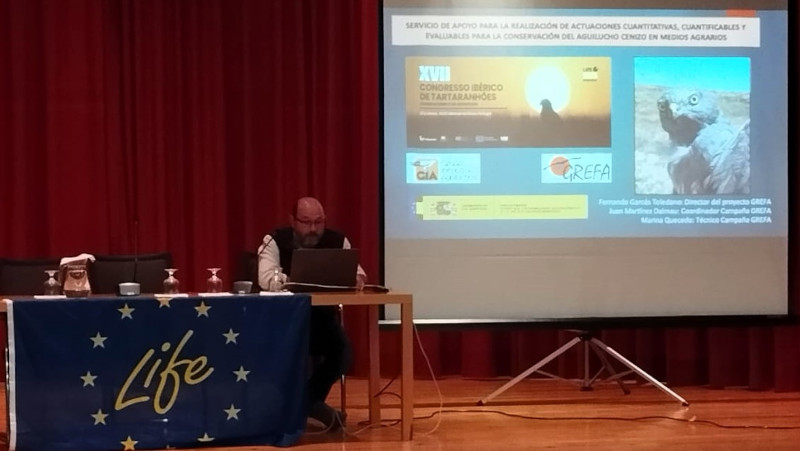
<point x="25" y="276"/>
<point x="108" y="271"/>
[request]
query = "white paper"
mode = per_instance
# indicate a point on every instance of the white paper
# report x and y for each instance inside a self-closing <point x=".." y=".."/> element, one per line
<point x="176" y="295"/>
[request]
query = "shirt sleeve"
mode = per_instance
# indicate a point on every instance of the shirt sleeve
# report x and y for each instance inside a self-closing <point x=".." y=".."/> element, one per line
<point x="360" y="271"/>
<point x="269" y="258"/>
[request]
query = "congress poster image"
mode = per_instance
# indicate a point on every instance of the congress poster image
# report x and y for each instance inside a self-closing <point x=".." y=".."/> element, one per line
<point x="508" y="102"/>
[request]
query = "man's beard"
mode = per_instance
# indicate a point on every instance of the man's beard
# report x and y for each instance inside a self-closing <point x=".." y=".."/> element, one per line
<point x="308" y="240"/>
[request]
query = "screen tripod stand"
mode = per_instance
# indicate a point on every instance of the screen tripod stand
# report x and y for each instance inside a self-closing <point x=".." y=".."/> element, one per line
<point x="600" y="349"/>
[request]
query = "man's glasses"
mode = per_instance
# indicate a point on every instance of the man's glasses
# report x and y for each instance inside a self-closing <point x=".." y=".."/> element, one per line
<point x="319" y="222"/>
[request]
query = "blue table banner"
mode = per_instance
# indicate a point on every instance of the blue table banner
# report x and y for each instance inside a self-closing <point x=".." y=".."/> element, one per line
<point x="152" y="373"/>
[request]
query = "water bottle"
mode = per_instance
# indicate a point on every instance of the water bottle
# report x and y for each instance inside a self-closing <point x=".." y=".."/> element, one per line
<point x="277" y="281"/>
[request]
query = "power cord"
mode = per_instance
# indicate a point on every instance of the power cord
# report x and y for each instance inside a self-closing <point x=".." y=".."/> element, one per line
<point x="393" y="422"/>
<point x="383" y="391"/>
<point x="644" y="418"/>
<point x="305" y="287"/>
<point x="433" y="378"/>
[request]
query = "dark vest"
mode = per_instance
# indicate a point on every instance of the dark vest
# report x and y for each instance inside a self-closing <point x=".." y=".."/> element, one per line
<point x="284" y="238"/>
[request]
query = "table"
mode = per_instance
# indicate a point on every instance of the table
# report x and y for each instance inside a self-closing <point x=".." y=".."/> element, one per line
<point x="373" y="301"/>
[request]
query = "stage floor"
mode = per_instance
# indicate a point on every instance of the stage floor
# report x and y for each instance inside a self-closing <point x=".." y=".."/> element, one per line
<point x="544" y="413"/>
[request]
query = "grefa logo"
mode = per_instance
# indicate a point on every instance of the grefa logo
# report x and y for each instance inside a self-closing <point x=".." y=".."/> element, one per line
<point x="576" y="168"/>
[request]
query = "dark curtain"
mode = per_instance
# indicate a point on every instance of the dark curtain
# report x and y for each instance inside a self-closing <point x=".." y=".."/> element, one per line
<point x="192" y="126"/>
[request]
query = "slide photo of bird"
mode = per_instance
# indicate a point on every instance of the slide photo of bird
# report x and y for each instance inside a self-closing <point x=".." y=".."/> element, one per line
<point x="692" y="125"/>
<point x="548" y="116"/>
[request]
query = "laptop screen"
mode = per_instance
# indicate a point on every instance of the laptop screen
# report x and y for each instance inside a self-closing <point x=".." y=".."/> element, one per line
<point x="323" y="269"/>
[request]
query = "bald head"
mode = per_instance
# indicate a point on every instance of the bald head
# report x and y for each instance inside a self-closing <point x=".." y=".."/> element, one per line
<point x="308" y="221"/>
<point x="308" y="205"/>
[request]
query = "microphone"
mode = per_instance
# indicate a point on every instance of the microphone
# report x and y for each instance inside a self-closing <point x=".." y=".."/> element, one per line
<point x="132" y="288"/>
<point x="264" y="247"/>
<point x="135" y="248"/>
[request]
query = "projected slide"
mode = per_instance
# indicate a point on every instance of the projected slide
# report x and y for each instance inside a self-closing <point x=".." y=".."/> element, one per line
<point x="585" y="123"/>
<point x="581" y="149"/>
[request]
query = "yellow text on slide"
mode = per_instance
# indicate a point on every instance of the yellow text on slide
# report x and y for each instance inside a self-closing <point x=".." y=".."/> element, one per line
<point x="443" y="208"/>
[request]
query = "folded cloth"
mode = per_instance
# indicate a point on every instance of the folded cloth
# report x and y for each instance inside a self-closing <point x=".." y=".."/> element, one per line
<point x="80" y="258"/>
<point x="330" y="418"/>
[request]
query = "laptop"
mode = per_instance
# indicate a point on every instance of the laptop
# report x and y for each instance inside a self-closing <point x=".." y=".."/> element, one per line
<point x="323" y="270"/>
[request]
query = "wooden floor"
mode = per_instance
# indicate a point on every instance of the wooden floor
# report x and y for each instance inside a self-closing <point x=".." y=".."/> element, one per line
<point x="557" y="414"/>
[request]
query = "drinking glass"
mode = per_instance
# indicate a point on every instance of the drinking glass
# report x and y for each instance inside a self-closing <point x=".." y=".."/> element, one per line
<point x="52" y="287"/>
<point x="171" y="284"/>
<point x="214" y="283"/>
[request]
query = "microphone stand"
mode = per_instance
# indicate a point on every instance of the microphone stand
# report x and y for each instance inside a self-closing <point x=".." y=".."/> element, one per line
<point x="135" y="249"/>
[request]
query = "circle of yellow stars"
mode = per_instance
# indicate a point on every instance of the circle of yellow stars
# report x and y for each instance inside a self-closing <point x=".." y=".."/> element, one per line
<point x="126" y="312"/>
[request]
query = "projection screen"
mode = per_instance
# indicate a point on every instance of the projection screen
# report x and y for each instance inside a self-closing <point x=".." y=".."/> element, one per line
<point x="582" y="160"/>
